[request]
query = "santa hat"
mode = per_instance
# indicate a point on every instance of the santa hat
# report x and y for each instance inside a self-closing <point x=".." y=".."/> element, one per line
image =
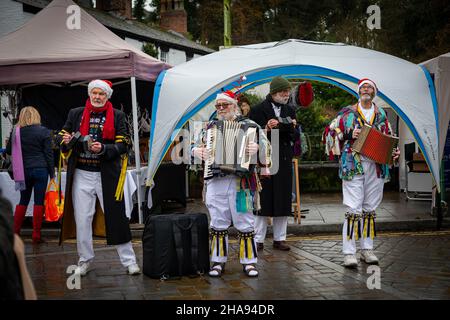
<point x="227" y="95"/>
<point x="105" y="85"/>
<point x="369" y="82"/>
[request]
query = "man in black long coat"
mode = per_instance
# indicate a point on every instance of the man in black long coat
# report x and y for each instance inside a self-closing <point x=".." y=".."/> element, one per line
<point x="276" y="194"/>
<point x="95" y="176"/>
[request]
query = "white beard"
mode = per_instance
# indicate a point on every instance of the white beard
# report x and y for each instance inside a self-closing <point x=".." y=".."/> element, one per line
<point x="280" y="100"/>
<point x="228" y="116"/>
<point x="366" y="97"/>
<point x="97" y="105"/>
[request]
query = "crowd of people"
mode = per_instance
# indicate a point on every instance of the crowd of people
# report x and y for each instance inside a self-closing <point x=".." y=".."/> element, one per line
<point x="95" y="145"/>
<point x="271" y="196"/>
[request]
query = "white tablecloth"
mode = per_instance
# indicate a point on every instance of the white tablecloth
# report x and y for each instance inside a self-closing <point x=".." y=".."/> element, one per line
<point x="130" y="187"/>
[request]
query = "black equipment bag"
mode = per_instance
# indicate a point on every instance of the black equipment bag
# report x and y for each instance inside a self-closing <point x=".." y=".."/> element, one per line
<point x="175" y="245"/>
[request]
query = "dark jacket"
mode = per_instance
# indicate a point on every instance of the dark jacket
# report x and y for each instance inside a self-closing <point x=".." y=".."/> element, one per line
<point x="36" y="148"/>
<point x="276" y="194"/>
<point x="10" y="284"/>
<point x="113" y="223"/>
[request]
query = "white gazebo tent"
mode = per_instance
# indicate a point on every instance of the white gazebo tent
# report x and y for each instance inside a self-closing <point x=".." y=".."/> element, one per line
<point x="183" y="91"/>
<point x="439" y="68"/>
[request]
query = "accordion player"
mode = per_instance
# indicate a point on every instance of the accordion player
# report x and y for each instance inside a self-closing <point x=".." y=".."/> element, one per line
<point x="226" y="143"/>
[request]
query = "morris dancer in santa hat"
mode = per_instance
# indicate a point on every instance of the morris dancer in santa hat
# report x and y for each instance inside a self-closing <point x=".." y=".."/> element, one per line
<point x="96" y="171"/>
<point x="231" y="198"/>
<point x="362" y="178"/>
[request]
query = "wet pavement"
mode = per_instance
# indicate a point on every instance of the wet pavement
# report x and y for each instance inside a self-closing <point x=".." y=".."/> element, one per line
<point x="412" y="266"/>
<point x="321" y="213"/>
<point x="328" y="208"/>
<point x="324" y="213"/>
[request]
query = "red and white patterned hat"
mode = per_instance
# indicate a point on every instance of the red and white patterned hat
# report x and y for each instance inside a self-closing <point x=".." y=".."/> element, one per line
<point x="369" y="82"/>
<point x="227" y="95"/>
<point x="105" y="85"/>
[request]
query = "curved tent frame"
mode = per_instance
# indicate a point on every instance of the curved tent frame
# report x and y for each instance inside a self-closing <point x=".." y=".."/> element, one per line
<point x="184" y="90"/>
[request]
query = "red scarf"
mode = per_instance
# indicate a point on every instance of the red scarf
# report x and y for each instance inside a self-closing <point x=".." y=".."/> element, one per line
<point x="109" y="132"/>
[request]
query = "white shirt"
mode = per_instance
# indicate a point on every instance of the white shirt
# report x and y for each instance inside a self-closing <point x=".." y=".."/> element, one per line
<point x="276" y="109"/>
<point x="368" y="113"/>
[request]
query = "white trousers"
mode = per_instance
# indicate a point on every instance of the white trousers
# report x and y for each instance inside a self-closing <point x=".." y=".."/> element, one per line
<point x="362" y="193"/>
<point x="87" y="186"/>
<point x="279" y="227"/>
<point x="221" y="204"/>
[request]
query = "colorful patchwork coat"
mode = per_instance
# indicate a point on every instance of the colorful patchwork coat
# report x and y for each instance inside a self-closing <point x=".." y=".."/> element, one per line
<point x="338" y="140"/>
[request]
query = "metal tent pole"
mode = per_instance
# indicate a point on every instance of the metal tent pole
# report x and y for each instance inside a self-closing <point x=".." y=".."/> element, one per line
<point x="137" y="155"/>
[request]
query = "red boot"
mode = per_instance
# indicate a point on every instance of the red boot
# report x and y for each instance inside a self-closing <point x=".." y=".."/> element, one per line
<point x="38" y="216"/>
<point x="19" y="216"/>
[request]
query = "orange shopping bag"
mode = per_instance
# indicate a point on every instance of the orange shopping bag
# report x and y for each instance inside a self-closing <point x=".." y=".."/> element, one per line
<point x="53" y="202"/>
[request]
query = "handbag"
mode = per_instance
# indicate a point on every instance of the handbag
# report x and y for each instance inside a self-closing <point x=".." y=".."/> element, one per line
<point x="53" y="202"/>
<point x="10" y="171"/>
<point x="9" y="167"/>
<point x="6" y="164"/>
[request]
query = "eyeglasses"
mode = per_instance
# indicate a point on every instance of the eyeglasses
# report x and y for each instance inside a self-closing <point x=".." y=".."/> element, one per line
<point x="222" y="105"/>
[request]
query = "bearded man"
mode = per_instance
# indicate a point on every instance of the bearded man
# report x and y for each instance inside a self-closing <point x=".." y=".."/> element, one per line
<point x="231" y="198"/>
<point x="362" y="178"/>
<point x="94" y="142"/>
<point x="276" y="194"/>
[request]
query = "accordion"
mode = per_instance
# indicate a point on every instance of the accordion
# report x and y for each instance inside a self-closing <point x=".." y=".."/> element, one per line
<point x="226" y="143"/>
<point x="375" y="145"/>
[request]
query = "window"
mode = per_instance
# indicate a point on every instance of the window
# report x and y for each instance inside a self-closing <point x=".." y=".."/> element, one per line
<point x="164" y="56"/>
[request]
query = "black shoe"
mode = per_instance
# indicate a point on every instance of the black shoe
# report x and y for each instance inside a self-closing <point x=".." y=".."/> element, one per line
<point x="259" y="246"/>
<point x="281" y="245"/>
